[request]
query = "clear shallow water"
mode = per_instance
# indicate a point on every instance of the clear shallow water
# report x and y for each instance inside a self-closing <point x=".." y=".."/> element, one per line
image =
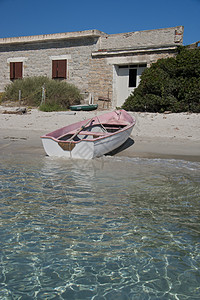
<point x="112" y="228"/>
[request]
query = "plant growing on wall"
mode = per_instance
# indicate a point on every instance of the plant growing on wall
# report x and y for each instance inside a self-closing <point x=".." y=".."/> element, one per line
<point x="171" y="84"/>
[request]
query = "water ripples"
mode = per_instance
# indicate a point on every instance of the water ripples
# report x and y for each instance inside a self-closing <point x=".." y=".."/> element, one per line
<point x="111" y="228"/>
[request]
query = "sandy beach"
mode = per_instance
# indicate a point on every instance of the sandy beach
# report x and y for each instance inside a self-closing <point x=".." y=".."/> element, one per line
<point x="154" y="135"/>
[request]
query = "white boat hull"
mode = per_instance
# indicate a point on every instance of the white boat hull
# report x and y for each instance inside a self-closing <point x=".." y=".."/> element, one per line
<point x="88" y="147"/>
<point x="83" y="150"/>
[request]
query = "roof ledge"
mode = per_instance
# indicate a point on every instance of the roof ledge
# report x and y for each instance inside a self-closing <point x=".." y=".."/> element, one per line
<point x="50" y="37"/>
<point x="128" y="51"/>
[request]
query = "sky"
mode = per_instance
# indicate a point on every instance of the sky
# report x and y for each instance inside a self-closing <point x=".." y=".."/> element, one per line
<point x="35" y="17"/>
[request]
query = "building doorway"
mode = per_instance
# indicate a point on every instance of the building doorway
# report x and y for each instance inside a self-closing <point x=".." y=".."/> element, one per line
<point x="128" y="78"/>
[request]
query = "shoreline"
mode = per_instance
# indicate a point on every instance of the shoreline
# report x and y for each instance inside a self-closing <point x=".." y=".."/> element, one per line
<point x="172" y="136"/>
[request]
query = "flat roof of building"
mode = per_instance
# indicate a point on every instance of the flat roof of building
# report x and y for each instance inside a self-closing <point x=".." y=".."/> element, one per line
<point x="50" y="37"/>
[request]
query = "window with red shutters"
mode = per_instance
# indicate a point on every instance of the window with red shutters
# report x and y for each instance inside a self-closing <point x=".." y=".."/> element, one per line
<point x="16" y="70"/>
<point x="59" y="69"/>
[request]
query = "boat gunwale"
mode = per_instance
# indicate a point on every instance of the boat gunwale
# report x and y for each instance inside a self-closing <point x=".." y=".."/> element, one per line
<point x="106" y="135"/>
<point x="131" y="122"/>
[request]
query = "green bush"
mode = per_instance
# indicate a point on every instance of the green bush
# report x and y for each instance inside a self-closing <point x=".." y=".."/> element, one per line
<point x="59" y="95"/>
<point x="53" y="106"/>
<point x="1" y="96"/>
<point x="171" y="84"/>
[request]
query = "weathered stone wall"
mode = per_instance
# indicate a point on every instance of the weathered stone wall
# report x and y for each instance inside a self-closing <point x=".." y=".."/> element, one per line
<point x="37" y="59"/>
<point x="90" y="63"/>
<point x="100" y="79"/>
<point x="147" y="38"/>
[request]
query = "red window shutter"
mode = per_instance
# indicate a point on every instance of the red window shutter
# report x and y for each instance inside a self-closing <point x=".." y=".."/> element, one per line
<point x="54" y="69"/>
<point x="18" y="70"/>
<point x="12" y="73"/>
<point x="59" y="68"/>
<point x="62" y="68"/>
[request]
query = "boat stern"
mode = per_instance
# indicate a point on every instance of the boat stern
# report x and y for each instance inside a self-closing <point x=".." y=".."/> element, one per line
<point x="80" y="150"/>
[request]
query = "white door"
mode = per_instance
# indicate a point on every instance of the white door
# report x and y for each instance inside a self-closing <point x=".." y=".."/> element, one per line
<point x="123" y="90"/>
<point x="128" y="78"/>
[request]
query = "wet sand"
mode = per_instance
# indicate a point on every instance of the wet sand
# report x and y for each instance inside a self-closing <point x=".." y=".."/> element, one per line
<point x="174" y="136"/>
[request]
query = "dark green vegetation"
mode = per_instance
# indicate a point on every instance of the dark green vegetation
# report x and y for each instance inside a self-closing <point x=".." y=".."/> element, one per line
<point x="1" y="95"/>
<point x="171" y="84"/>
<point x="59" y="95"/>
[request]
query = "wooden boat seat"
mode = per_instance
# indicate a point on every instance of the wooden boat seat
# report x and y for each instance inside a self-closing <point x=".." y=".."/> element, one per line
<point x="84" y="132"/>
<point x="113" y="127"/>
<point x="116" y="123"/>
<point x="93" y="133"/>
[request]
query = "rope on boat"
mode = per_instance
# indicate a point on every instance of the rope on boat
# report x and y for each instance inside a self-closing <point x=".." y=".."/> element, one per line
<point x="101" y="124"/>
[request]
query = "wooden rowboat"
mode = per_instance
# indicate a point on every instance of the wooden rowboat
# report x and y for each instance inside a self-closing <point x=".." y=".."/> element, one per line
<point x="90" y="138"/>
<point x="86" y="107"/>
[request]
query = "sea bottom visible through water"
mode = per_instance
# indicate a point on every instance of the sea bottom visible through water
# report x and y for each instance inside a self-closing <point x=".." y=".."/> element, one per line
<point x="110" y="228"/>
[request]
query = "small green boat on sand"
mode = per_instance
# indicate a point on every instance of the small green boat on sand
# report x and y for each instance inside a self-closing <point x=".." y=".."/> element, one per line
<point x="86" y="107"/>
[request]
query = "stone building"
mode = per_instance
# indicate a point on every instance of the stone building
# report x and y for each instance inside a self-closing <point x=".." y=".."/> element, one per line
<point x="106" y="66"/>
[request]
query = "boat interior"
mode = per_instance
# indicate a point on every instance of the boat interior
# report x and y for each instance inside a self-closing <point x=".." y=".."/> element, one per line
<point x="91" y="132"/>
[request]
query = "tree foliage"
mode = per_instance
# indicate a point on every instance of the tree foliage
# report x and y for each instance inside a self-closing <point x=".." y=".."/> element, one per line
<point x="171" y="84"/>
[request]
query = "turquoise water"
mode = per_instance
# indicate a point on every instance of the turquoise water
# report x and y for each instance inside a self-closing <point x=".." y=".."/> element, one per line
<point x="111" y="228"/>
